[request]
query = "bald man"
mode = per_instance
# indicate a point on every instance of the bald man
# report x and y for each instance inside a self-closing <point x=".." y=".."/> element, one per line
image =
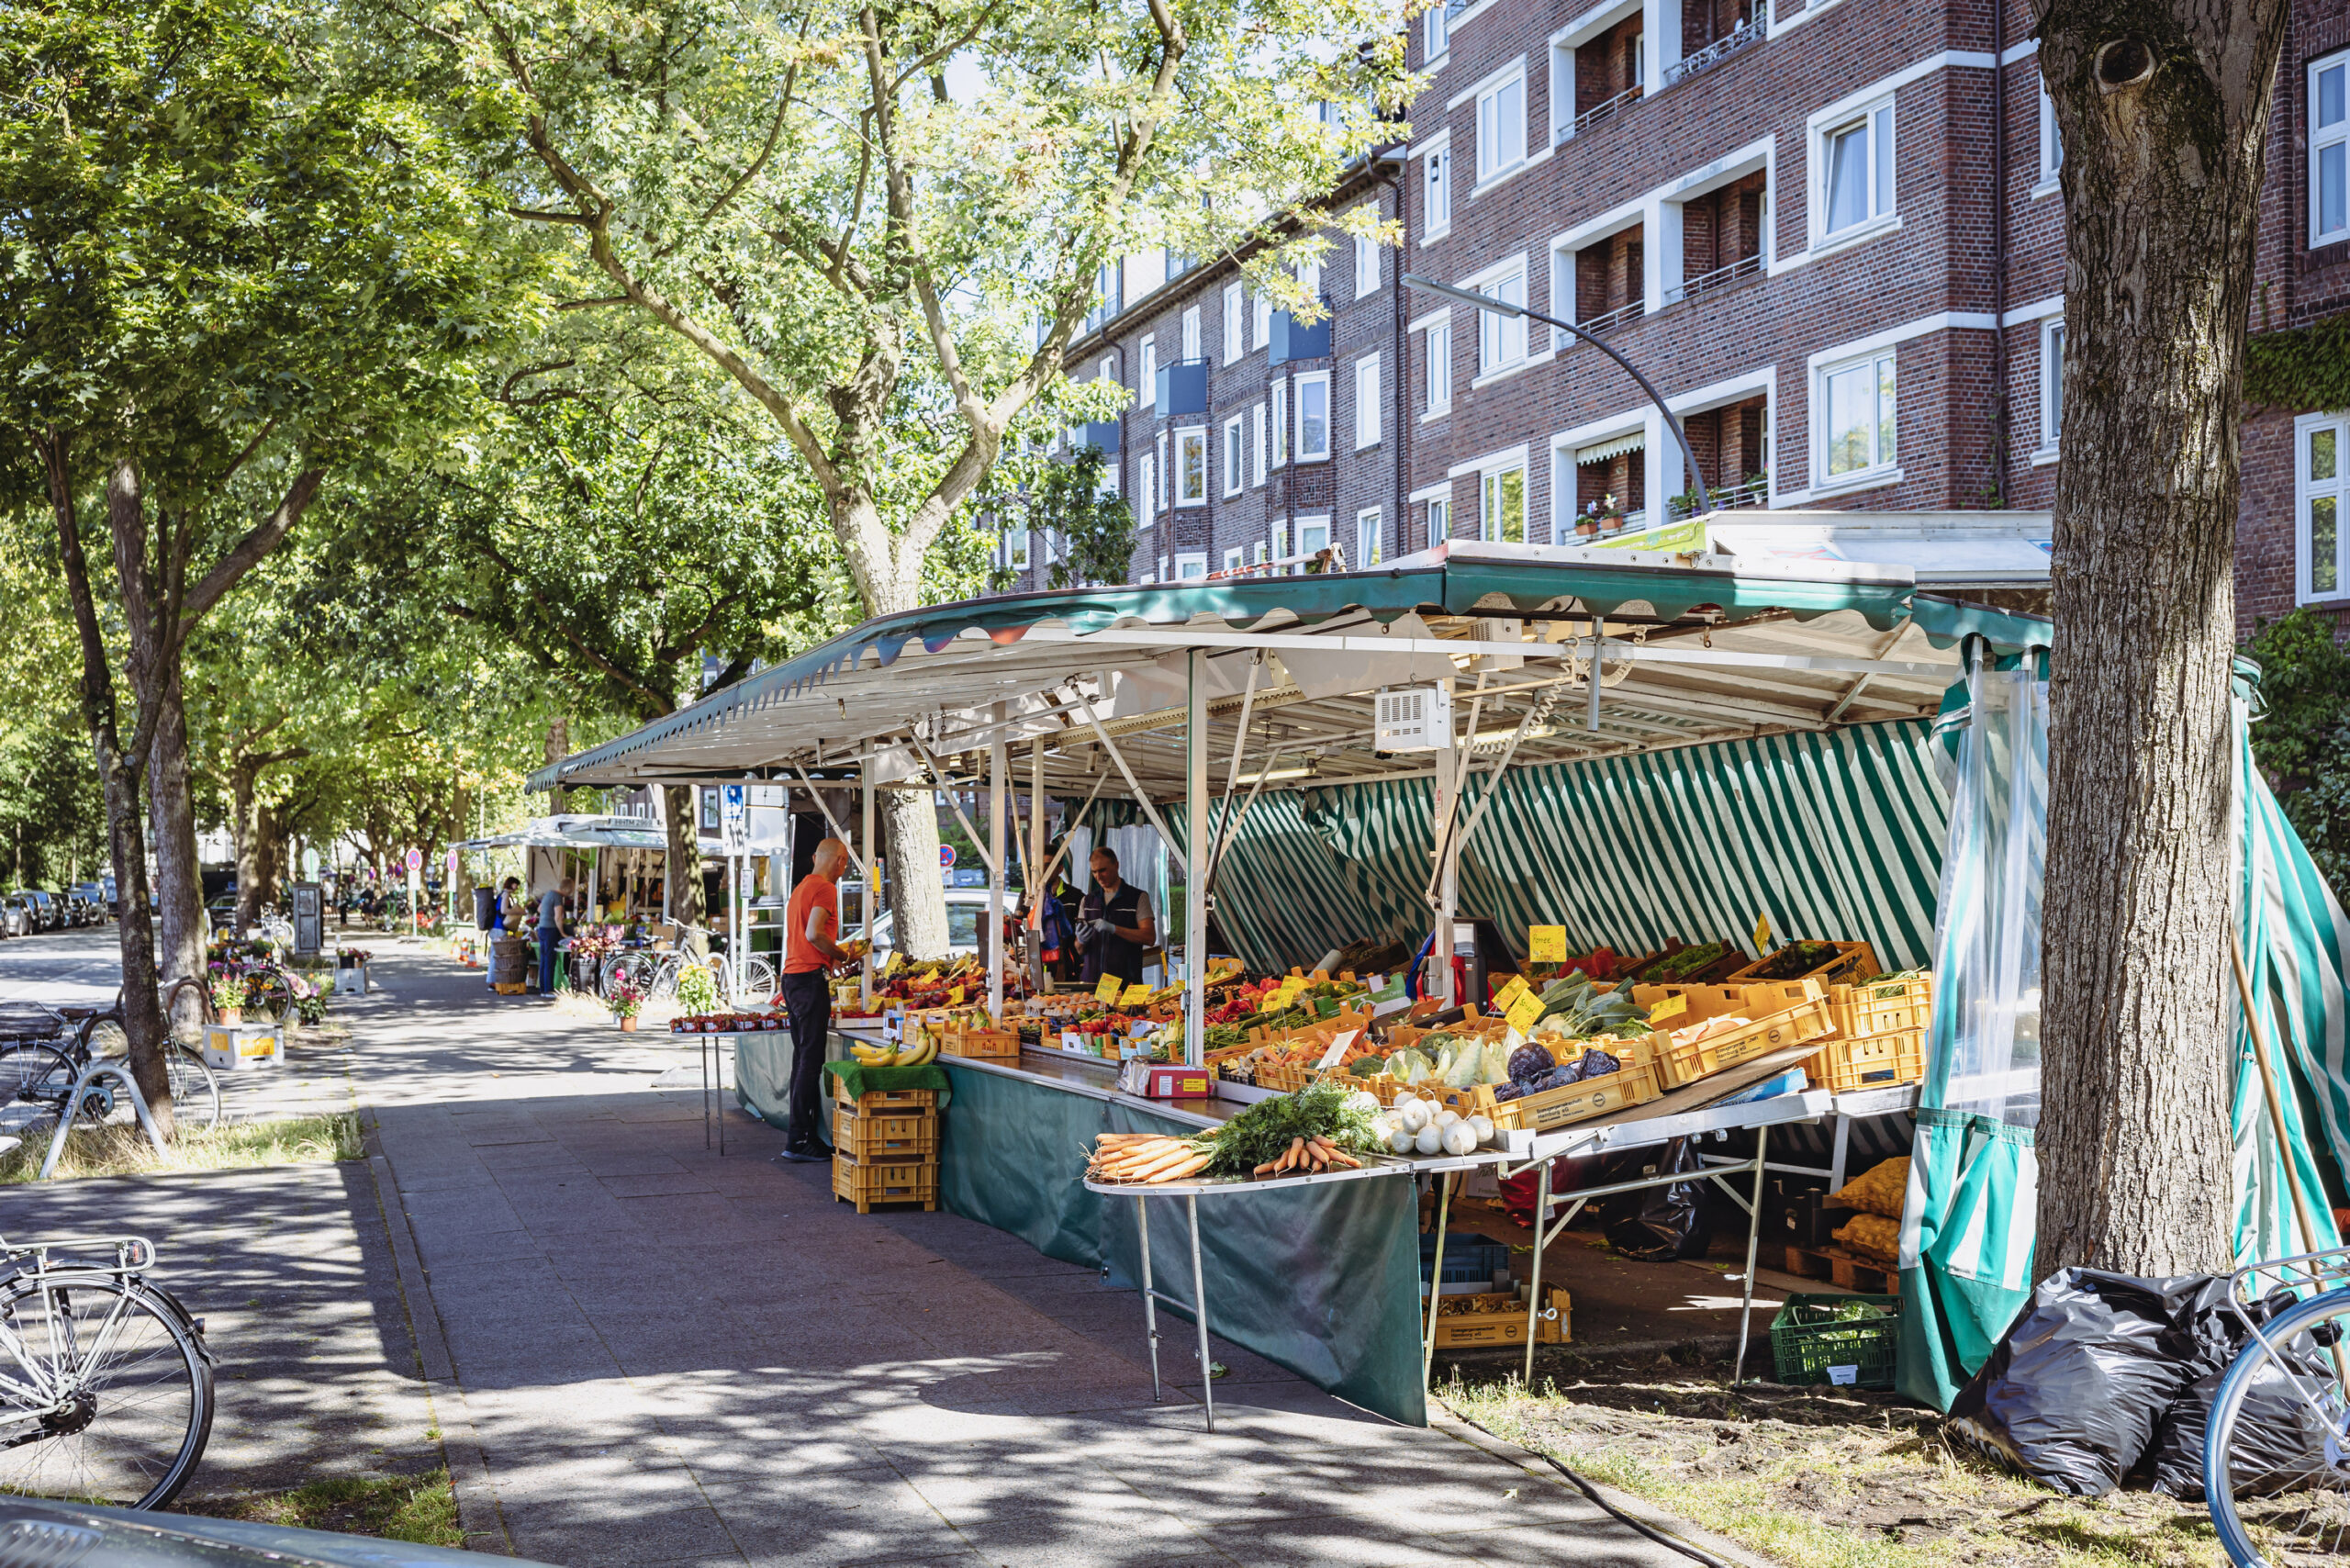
<point x="811" y="924"/>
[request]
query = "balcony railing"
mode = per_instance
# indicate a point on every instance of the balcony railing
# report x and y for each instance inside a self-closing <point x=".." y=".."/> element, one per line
<point x="1721" y="49"/>
<point x="1753" y="492"/>
<point x="1720" y="277"/>
<point x="1596" y="113"/>
<point x="1600" y="326"/>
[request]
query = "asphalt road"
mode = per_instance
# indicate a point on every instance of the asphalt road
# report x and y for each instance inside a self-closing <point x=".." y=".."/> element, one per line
<point x="78" y="967"/>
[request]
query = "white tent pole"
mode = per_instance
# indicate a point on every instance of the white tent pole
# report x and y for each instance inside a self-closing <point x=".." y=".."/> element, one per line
<point x="1140" y="793"/>
<point x="1073" y="821"/>
<point x="1032" y="869"/>
<point x="1195" y="887"/>
<point x="991" y="928"/>
<point x="872" y="900"/>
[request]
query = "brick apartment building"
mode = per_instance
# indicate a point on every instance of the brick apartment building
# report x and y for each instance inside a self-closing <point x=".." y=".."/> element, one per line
<point x="1829" y="231"/>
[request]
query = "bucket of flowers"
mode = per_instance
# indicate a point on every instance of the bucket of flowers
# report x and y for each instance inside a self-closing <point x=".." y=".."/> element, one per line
<point x="228" y="994"/>
<point x="627" y="999"/>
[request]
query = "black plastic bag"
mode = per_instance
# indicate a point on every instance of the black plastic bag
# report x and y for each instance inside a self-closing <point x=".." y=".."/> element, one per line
<point x="2074" y="1390"/>
<point x="2279" y="1444"/>
<point x="1657" y="1225"/>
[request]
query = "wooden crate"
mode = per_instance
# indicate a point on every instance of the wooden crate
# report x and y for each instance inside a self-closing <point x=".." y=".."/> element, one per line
<point x="1872" y="1061"/>
<point x="856" y="1181"/>
<point x="1496" y="1320"/>
<point x="1854" y="962"/>
<point x="1634" y="1085"/>
<point x="509" y="987"/>
<point x="1846" y="1270"/>
<point x="983" y="1044"/>
<point x="886" y="1139"/>
<point x="885" y="1102"/>
<point x="1679" y="1064"/>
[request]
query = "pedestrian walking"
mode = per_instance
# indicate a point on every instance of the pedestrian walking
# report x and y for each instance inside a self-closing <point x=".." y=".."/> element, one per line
<point x="811" y="924"/>
<point x="550" y="932"/>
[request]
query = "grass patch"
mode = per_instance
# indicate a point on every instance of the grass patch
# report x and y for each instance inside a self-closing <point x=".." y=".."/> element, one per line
<point x="1824" y="1478"/>
<point x="422" y="1509"/>
<point x="123" y="1149"/>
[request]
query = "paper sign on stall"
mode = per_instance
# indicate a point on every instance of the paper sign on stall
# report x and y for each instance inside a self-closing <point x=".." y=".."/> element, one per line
<point x="1107" y="991"/>
<point x="1337" y="1051"/>
<point x="1527" y="1014"/>
<point x="1670" y="1007"/>
<point x="1506" y="998"/>
<point x="1761" y="933"/>
<point x="1136" y="995"/>
<point x="1546" y="943"/>
<point x="954" y="996"/>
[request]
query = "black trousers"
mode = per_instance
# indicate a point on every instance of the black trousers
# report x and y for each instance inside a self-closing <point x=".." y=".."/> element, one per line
<point x="808" y="1002"/>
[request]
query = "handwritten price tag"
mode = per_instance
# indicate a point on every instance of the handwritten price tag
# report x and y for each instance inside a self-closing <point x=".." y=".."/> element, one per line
<point x="1670" y="1007"/>
<point x="1527" y="1014"/>
<point x="1136" y="995"/>
<point x="1337" y="1051"/>
<point x="1761" y="933"/>
<point x="954" y="996"/>
<point x="1106" y="992"/>
<point x="1546" y="943"/>
<point x="1506" y="998"/>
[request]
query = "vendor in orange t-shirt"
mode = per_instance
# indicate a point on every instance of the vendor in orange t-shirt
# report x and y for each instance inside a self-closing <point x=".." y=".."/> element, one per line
<point x="811" y="924"/>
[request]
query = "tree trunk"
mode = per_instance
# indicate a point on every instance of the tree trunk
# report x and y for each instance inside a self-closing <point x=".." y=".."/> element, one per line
<point x="179" y="880"/>
<point x="908" y="818"/>
<point x="2164" y="110"/>
<point x="681" y="873"/>
<point x="245" y="831"/>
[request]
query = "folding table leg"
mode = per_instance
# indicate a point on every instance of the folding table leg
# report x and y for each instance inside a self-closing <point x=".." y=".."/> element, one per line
<point x="1534" y="1289"/>
<point x="1200" y="1313"/>
<point x="1753" y="1243"/>
<point x="1435" y="1277"/>
<point x="1149" y="1303"/>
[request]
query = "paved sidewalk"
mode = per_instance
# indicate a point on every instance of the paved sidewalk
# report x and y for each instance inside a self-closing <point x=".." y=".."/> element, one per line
<point x="668" y="1358"/>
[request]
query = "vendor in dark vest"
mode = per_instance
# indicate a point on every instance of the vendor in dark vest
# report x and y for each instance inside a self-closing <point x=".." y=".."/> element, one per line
<point x="1114" y="923"/>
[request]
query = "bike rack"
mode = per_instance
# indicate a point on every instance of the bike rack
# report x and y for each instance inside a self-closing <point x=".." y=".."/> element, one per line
<point x="90" y="1075"/>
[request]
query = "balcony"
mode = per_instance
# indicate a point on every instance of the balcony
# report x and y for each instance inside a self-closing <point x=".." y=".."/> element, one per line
<point x="1754" y="492"/>
<point x="1594" y="115"/>
<point x="1101" y="434"/>
<point x="1183" y="387"/>
<point x="1600" y="326"/>
<point x="1743" y="36"/>
<point x="1292" y="338"/>
<point x="1720" y="277"/>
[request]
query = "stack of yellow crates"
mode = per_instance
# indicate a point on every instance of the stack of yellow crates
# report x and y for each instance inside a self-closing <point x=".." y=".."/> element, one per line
<point x="885" y="1146"/>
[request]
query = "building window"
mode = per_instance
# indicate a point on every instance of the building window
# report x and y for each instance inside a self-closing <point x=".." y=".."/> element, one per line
<point x="1259" y="476"/>
<point x="1440" y="351"/>
<point x="1856" y="162"/>
<point x="1236" y="456"/>
<point x="1366" y="401"/>
<point x="1191" y="568"/>
<point x="2051" y="144"/>
<point x="1234" y="558"/>
<point x="1148" y="395"/>
<point x="1314" y="416"/>
<point x="2329" y="148"/>
<point x="1501" y="340"/>
<point x="1166" y="475"/>
<point x="2322" y="441"/>
<point x="1500" y="127"/>
<point x="2052" y="382"/>
<point x="1435" y="33"/>
<point x="1367" y="550"/>
<point x="1439" y="521"/>
<point x="1015" y="549"/>
<point x="1312" y="535"/>
<point x="1280" y="532"/>
<point x="1232" y="322"/>
<point x="1263" y="333"/>
<point x="1854" y="415"/>
<point x="1309" y="278"/>
<point x="1436" y="174"/>
<point x="1145" y="487"/>
<point x="1500" y="506"/>
<point x="1191" y="333"/>
<point x="1366" y="266"/>
<point x="1192" y="467"/>
<point x="1280" y="423"/>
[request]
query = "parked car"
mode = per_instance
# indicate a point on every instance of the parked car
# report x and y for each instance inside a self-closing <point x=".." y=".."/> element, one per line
<point x="16" y="917"/>
<point x="48" y="914"/>
<point x="85" y="1533"/>
<point x="95" y="902"/>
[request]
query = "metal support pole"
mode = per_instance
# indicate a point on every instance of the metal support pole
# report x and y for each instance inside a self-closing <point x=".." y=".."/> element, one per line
<point x="1149" y="1299"/>
<point x="1598" y="637"/>
<point x="872" y="911"/>
<point x="1753" y="1242"/>
<point x="1195" y="882"/>
<point x="1034" y="870"/>
<point x="1436" y="1276"/>
<point x="1442" y="799"/>
<point x="1200" y="1309"/>
<point x="999" y="782"/>
<point x="1534" y="1287"/>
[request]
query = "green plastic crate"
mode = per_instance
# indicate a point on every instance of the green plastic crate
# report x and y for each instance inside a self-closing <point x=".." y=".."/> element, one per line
<point x="1809" y="1343"/>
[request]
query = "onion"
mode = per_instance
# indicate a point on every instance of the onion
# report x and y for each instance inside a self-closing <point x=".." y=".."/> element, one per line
<point x="1430" y="1140"/>
<point x="1459" y="1139"/>
<point x="1483" y="1128"/>
<point x="1360" y="1101"/>
<point x="1411" y="1113"/>
<point x="1402" y="1142"/>
<point x="1447" y="1116"/>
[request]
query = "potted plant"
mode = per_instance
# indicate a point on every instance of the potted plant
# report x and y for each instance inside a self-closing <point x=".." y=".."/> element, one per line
<point x="228" y="997"/>
<point x="626" y="1002"/>
<point x="1588" y="523"/>
<point x="697" y="992"/>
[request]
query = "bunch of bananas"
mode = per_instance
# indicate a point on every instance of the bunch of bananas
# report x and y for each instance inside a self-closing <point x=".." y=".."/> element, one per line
<point x="912" y="1054"/>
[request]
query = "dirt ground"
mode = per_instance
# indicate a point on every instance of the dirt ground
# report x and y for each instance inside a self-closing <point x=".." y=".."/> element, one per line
<point x="1810" y="1477"/>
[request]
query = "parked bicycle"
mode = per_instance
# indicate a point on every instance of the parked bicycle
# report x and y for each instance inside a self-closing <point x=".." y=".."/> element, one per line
<point x="106" y="1382"/>
<point x="2279" y="1430"/>
<point x="45" y="1050"/>
<point x="655" y="971"/>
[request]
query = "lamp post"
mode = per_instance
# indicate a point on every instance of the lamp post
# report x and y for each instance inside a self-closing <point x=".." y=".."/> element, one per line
<point x="1503" y="307"/>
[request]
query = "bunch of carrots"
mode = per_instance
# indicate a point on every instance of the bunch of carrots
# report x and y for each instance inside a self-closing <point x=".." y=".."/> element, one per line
<point x="1306" y="1154"/>
<point x="1145" y="1158"/>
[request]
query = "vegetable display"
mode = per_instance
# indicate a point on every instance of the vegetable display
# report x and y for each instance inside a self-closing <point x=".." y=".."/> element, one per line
<point x="1320" y="1127"/>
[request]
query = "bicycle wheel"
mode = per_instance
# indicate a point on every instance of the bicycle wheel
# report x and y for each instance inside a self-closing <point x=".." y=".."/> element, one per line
<point x="2277" y="1453"/>
<point x="32" y="1073"/>
<point x="758" y="987"/>
<point x="106" y="1391"/>
<point x="635" y="968"/>
<point x="195" y="1093"/>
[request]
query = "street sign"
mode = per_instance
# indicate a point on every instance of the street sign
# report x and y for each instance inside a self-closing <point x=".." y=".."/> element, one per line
<point x="416" y="859"/>
<point x="734" y="817"/>
<point x="946" y="858"/>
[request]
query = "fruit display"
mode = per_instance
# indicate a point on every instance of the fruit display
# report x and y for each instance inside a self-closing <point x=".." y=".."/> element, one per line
<point x="912" y="1053"/>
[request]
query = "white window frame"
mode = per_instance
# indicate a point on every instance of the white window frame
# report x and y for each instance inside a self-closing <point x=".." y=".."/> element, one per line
<point x="2329" y="138"/>
<point x="1190" y="565"/>
<point x="1191" y="440"/>
<point x="1495" y="126"/>
<point x="1563" y="92"/>
<point x="2051" y="387"/>
<point x="1016" y="549"/>
<point x="1439" y="520"/>
<point x="1308" y="526"/>
<point x="1147" y="357"/>
<point x="1437" y="385"/>
<point x="1233" y="326"/>
<point x="1278" y="532"/>
<point x="2307" y="490"/>
<point x="1236" y="559"/>
<point x="1501" y="340"/>
<point x="1321" y="379"/>
<point x="1879" y="468"/>
<point x="1257" y="469"/>
<point x="1261" y="314"/>
<point x="1366" y="265"/>
<point x="1280" y="423"/>
<point x="1235" y="455"/>
<point x="1436" y="36"/>
<point x="1489" y="485"/>
<point x="1145" y="489"/>
<point x="1367" y="419"/>
<point x="1368" y="544"/>
<point x="1192" y="339"/>
<point x="1877" y="122"/>
<point x="2052" y="147"/>
<point x="1166" y="475"/>
<point x="1436" y="188"/>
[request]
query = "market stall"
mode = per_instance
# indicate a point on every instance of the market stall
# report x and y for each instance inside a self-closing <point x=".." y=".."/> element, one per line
<point x="1707" y="792"/>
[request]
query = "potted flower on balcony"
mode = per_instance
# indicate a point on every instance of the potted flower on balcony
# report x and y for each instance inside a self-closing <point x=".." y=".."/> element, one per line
<point x="229" y="996"/>
<point x="627" y="1001"/>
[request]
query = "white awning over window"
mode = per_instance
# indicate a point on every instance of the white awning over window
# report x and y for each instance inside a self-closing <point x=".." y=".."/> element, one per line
<point x="1587" y="455"/>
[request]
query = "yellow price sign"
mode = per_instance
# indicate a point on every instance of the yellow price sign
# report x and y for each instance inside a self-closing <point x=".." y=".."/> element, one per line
<point x="1135" y="996"/>
<point x="1546" y="943"/>
<point x="1525" y="1014"/>
<point x="1506" y="997"/>
<point x="1761" y="933"/>
<point x="1670" y="1007"/>
<point x="1106" y="992"/>
<point x="954" y="996"/>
